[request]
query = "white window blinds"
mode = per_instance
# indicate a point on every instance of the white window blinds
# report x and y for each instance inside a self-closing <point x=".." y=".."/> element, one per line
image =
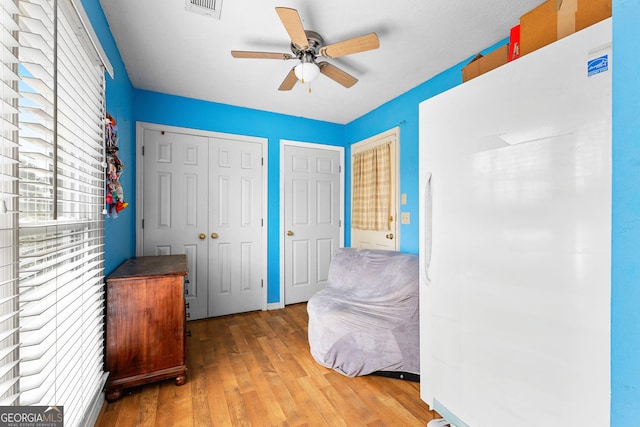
<point x="8" y="204"/>
<point x="61" y="200"/>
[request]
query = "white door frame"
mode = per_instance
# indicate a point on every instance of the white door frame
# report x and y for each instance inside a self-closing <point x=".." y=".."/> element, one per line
<point x="283" y="143"/>
<point x="142" y="126"/>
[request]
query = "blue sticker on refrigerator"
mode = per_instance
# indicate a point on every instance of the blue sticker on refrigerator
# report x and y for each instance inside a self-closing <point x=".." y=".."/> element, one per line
<point x="597" y="65"/>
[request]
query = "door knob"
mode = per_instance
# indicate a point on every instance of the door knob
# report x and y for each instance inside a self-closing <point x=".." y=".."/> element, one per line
<point x="202" y="236"/>
<point x="389" y="236"/>
<point x="289" y="233"/>
<point x="214" y="235"/>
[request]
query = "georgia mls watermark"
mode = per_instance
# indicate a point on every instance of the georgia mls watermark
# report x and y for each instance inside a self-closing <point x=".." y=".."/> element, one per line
<point x="31" y="416"/>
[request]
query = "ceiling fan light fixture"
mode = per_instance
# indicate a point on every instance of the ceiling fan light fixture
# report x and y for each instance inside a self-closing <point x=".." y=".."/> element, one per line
<point x="307" y="71"/>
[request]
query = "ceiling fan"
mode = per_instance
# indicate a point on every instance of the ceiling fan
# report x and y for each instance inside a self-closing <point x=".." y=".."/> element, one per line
<point x="307" y="46"/>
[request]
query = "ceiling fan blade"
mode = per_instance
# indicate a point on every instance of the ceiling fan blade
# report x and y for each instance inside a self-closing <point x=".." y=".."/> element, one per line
<point x="354" y="45"/>
<point x="293" y="24"/>
<point x="290" y="81"/>
<point x="335" y="73"/>
<point x="260" y="55"/>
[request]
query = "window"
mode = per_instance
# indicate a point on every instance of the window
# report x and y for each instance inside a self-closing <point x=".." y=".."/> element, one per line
<point x="372" y="188"/>
<point x="61" y="197"/>
<point x="8" y="204"/>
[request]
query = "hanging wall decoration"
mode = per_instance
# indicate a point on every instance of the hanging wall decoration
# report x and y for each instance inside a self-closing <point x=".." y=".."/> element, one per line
<point x="114" y="195"/>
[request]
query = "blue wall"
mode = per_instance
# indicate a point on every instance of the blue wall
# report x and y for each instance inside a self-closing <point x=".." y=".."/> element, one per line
<point x="625" y="231"/>
<point x="172" y="110"/>
<point x="128" y="105"/>
<point x="403" y="112"/>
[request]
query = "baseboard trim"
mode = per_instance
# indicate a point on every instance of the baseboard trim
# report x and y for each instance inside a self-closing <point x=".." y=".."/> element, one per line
<point x="274" y="306"/>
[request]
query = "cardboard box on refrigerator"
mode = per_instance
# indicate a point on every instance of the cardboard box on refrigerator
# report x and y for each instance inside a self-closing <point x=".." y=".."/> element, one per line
<point x="592" y="11"/>
<point x="481" y="64"/>
<point x="555" y="19"/>
<point x="547" y="23"/>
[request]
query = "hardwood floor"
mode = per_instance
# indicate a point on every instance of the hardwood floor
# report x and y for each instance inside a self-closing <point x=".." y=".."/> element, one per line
<point x="255" y="369"/>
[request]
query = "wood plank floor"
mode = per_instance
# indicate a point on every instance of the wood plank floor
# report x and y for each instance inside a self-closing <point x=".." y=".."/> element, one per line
<point x="255" y="369"/>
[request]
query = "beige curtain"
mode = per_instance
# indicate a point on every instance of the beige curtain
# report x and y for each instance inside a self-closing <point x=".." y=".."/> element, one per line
<point x="372" y="188"/>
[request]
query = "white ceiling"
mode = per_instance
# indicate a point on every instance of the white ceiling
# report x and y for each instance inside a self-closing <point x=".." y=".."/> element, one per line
<point x="167" y="49"/>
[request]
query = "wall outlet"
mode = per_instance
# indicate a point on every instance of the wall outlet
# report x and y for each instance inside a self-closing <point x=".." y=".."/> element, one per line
<point x="405" y="218"/>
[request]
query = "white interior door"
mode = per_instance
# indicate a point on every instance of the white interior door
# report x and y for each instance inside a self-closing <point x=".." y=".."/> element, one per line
<point x="175" y="206"/>
<point x="235" y="246"/>
<point x="381" y="239"/>
<point x="203" y="196"/>
<point x="312" y="197"/>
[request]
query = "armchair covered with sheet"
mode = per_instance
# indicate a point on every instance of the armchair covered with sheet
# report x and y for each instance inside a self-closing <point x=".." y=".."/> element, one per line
<point x="366" y="319"/>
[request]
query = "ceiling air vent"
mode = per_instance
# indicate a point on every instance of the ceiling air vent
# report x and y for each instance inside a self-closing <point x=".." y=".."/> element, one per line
<point x="205" y="7"/>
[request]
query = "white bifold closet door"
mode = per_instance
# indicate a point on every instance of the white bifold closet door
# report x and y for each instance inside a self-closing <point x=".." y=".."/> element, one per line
<point x="515" y="240"/>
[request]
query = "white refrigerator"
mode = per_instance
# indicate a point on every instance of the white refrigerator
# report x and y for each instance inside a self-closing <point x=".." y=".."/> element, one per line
<point x="515" y="223"/>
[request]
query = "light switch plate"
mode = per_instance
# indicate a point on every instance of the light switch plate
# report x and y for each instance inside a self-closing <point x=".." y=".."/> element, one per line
<point x="405" y="218"/>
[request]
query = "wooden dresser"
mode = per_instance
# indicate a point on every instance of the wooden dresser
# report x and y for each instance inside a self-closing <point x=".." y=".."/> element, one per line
<point x="145" y="339"/>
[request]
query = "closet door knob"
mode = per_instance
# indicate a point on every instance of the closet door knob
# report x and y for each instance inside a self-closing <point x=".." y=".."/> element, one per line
<point x="214" y="235"/>
<point x="289" y="233"/>
<point x="202" y="236"/>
